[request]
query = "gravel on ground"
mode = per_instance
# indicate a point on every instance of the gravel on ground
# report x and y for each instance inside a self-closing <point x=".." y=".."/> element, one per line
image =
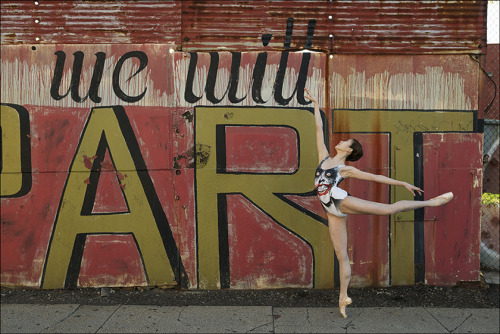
<point x="462" y="295"/>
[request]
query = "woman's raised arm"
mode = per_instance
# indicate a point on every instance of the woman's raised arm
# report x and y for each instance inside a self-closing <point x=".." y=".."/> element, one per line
<point x="320" y="139"/>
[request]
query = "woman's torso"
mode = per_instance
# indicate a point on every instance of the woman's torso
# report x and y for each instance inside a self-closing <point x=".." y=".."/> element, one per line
<point x="326" y="178"/>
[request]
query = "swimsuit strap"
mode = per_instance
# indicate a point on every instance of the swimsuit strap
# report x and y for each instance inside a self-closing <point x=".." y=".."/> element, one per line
<point x="323" y="160"/>
<point x="321" y="163"/>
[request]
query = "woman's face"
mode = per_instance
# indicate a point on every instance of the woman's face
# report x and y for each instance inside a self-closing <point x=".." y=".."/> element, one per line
<point x="344" y="145"/>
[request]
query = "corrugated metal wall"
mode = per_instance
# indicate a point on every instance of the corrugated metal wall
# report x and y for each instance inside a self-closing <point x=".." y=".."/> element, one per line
<point x="159" y="135"/>
<point x="340" y="26"/>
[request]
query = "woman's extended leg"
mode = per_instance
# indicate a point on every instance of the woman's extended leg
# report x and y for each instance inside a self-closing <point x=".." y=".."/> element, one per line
<point x="338" y="234"/>
<point x="356" y="206"/>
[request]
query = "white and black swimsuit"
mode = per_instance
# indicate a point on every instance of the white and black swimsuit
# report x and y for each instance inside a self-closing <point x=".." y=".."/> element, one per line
<point x="326" y="184"/>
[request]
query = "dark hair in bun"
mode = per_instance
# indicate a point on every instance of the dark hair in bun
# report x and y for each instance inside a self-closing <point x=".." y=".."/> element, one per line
<point x="357" y="151"/>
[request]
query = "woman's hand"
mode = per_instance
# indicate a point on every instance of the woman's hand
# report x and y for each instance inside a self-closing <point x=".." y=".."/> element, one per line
<point x="309" y="96"/>
<point x="411" y="188"/>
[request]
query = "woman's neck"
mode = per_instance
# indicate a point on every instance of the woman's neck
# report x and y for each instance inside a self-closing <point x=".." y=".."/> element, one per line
<point x="338" y="159"/>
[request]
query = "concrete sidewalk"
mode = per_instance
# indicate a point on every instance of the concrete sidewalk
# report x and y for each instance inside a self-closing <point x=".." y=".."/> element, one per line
<point x="74" y="318"/>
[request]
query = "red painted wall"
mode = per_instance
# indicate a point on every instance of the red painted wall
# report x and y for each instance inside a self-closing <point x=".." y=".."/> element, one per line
<point x="168" y="167"/>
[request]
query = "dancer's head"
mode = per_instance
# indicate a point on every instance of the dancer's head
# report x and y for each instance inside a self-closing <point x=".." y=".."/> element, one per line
<point x="351" y="148"/>
<point x="357" y="150"/>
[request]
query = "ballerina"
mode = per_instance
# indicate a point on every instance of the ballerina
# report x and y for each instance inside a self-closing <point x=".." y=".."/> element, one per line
<point x="338" y="203"/>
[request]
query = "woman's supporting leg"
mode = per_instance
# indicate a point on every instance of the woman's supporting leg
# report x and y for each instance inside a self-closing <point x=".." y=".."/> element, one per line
<point x="356" y="206"/>
<point x="338" y="234"/>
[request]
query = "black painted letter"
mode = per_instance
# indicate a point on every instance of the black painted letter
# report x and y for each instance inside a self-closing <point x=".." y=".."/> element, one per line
<point x="143" y="58"/>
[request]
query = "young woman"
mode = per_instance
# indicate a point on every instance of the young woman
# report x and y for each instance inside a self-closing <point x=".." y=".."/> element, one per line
<point x="338" y="203"/>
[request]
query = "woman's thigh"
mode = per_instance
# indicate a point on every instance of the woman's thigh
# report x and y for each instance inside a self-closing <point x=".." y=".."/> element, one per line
<point x="338" y="232"/>
<point x="357" y="206"/>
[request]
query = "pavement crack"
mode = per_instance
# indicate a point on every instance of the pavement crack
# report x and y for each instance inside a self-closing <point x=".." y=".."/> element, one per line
<point x="351" y="320"/>
<point x="106" y="321"/>
<point x="273" y="318"/>
<point x="263" y="325"/>
<point x="180" y="313"/>
<point x="308" y="318"/>
<point x="439" y="322"/>
<point x="454" y="329"/>
<point x="63" y="319"/>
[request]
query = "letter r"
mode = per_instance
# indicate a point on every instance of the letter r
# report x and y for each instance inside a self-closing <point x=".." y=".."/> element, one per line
<point x="261" y="188"/>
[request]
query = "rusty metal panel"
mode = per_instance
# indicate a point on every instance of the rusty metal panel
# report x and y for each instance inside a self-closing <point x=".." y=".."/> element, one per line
<point x="416" y="82"/>
<point x="90" y="22"/>
<point x="240" y="25"/>
<point x="452" y="233"/>
<point x="139" y="146"/>
<point x="406" y="129"/>
<point x="118" y="264"/>
<point x="409" y="95"/>
<point x="100" y="150"/>
<point x="262" y="253"/>
<point x="260" y="188"/>
<point x="369" y="236"/>
<point x="119" y="152"/>
<point x="340" y="26"/>
<point x="489" y="101"/>
<point x="408" y="27"/>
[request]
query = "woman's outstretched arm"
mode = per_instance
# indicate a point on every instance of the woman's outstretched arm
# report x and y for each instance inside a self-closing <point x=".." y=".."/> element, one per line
<point x="353" y="172"/>
<point x="320" y="139"/>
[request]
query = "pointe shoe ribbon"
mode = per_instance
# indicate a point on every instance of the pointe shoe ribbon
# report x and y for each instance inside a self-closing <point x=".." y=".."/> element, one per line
<point x="342" y="306"/>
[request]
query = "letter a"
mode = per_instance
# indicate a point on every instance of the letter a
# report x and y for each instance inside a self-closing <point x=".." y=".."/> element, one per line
<point x="109" y="127"/>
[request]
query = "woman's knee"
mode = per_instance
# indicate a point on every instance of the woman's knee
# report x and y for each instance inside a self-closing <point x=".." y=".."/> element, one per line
<point x="391" y="209"/>
<point x="342" y="256"/>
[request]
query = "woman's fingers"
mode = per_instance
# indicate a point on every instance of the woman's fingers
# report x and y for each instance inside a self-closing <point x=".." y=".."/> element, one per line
<point x="309" y="96"/>
<point x="418" y="190"/>
<point x="412" y="189"/>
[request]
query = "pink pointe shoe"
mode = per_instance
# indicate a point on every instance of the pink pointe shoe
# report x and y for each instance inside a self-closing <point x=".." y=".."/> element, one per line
<point x="443" y="199"/>
<point x="342" y="306"/>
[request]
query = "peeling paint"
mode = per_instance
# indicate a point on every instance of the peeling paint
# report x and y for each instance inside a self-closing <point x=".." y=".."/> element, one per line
<point x="176" y="153"/>
<point x="188" y="116"/>
<point x="88" y="161"/>
<point x="433" y="90"/>
<point x="202" y="155"/>
<point x="475" y="180"/>
<point x="121" y="176"/>
<point x="37" y="78"/>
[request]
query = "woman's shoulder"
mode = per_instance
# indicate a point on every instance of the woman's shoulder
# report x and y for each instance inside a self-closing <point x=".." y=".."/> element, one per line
<point x="345" y="170"/>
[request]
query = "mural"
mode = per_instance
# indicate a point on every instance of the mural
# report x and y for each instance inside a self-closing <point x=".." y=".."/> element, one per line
<point x="137" y="165"/>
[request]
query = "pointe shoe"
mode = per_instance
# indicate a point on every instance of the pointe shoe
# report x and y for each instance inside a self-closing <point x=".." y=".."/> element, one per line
<point x="342" y="306"/>
<point x="444" y="198"/>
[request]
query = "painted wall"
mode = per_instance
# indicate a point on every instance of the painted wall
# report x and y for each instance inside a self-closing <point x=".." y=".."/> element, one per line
<point x="138" y="165"/>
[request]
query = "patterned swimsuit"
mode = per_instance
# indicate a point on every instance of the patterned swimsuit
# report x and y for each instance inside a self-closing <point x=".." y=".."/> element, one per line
<point x="326" y="184"/>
